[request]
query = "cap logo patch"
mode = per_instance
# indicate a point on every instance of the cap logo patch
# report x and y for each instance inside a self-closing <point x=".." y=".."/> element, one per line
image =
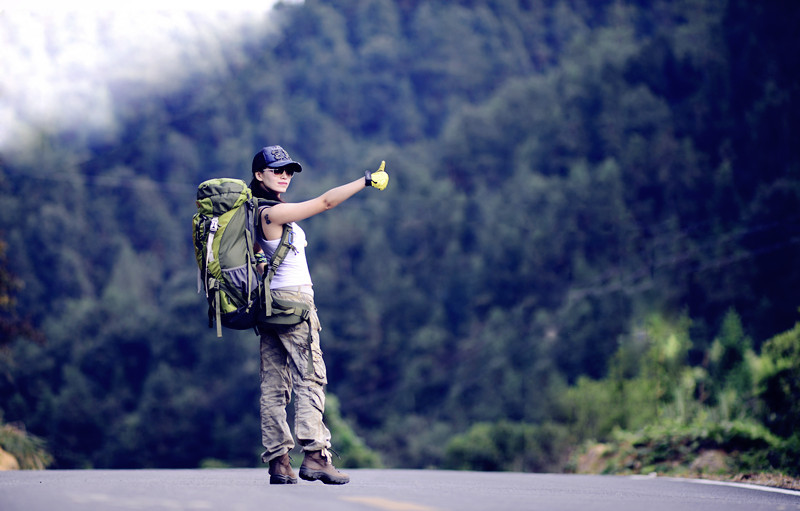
<point x="279" y="154"/>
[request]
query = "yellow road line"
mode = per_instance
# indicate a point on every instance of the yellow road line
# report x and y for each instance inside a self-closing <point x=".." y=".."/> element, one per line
<point x="389" y="505"/>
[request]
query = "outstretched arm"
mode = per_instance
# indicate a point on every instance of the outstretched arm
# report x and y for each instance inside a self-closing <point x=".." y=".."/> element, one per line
<point x="280" y="214"/>
<point x="292" y="212"/>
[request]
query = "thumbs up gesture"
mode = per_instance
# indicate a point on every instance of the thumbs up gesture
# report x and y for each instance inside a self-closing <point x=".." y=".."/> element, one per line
<point x="378" y="179"/>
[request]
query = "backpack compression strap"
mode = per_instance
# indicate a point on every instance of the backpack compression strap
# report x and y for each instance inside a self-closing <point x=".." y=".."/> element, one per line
<point x="287" y="238"/>
<point x="212" y="231"/>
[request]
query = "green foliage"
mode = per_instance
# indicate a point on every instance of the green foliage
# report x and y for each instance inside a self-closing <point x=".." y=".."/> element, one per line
<point x="566" y="181"/>
<point x="595" y="409"/>
<point x="649" y="379"/>
<point x="509" y="446"/>
<point x="779" y="383"/>
<point x="731" y="363"/>
<point x="665" y="360"/>
<point x="682" y="449"/>
<point x="30" y="451"/>
<point x="350" y="447"/>
<point x="641" y="428"/>
<point x="644" y="430"/>
<point x="12" y="325"/>
<point x="211" y="463"/>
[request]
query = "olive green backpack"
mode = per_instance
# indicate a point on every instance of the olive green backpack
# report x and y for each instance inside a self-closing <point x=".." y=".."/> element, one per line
<point x="224" y="242"/>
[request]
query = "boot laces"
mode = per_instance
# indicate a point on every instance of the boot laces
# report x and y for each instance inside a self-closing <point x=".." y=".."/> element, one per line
<point x="325" y="453"/>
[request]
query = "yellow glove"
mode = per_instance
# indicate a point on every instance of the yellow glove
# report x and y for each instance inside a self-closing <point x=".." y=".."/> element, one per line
<point x="379" y="179"/>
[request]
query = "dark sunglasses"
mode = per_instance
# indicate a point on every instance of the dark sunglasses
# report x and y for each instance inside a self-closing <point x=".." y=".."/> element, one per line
<point x="279" y="171"/>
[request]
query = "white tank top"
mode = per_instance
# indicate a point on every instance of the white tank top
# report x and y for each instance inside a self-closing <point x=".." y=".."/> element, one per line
<point x="293" y="271"/>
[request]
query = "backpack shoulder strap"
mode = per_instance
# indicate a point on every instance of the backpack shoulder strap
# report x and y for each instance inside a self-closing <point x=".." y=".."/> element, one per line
<point x="286" y="244"/>
<point x="277" y="258"/>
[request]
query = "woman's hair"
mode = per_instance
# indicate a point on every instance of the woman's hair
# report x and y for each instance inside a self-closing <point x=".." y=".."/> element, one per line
<point x="262" y="192"/>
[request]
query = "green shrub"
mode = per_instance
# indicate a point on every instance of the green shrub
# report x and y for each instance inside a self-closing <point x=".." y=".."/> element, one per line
<point x="778" y="382"/>
<point x="29" y="450"/>
<point x="351" y="448"/>
<point x="509" y="446"/>
<point x="674" y="448"/>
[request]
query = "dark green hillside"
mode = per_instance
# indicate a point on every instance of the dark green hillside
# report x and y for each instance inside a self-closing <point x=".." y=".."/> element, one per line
<point x="587" y="199"/>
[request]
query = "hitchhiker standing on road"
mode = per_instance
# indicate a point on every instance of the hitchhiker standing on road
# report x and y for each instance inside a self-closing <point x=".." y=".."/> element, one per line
<point x="284" y="350"/>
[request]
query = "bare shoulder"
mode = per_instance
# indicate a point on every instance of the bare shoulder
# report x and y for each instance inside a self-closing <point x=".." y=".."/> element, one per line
<point x="271" y="229"/>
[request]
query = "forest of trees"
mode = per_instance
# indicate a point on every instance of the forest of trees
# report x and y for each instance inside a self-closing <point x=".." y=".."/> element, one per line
<point x="591" y="231"/>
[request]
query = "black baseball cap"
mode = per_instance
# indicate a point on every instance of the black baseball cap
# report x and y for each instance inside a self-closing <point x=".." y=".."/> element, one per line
<point x="274" y="157"/>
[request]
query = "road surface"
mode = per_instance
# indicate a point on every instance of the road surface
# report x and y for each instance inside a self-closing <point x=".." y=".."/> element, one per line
<point x="374" y="490"/>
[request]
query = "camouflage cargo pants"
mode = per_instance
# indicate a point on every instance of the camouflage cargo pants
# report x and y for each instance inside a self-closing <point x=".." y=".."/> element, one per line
<point x="284" y="361"/>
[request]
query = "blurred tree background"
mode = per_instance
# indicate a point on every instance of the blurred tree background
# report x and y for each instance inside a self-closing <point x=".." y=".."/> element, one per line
<point x="591" y="232"/>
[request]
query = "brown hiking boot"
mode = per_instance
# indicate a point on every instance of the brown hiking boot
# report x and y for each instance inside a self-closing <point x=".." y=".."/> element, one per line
<point x="280" y="471"/>
<point x="317" y="466"/>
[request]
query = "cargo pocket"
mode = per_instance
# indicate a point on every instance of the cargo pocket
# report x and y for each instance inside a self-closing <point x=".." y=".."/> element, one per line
<point x="318" y="363"/>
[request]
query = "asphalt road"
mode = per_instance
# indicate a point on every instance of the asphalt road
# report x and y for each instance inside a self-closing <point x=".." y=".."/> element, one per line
<point x="370" y="490"/>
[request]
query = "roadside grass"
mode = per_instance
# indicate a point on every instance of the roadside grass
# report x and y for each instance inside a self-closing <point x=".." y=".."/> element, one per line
<point x="736" y="451"/>
<point x="28" y="451"/>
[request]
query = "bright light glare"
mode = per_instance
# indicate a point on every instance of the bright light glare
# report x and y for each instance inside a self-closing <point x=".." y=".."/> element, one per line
<point x="70" y="65"/>
<point x="56" y="6"/>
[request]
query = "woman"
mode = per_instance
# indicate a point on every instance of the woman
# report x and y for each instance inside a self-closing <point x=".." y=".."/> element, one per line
<point x="284" y="350"/>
